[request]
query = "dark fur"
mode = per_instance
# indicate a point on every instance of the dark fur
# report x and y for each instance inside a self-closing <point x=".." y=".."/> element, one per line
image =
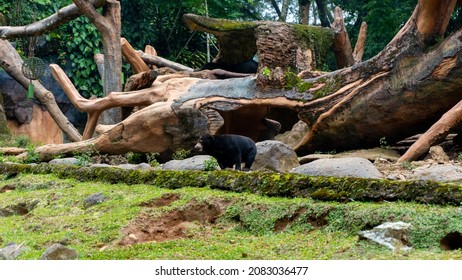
<point x="229" y="150"/>
<point x="246" y="67"/>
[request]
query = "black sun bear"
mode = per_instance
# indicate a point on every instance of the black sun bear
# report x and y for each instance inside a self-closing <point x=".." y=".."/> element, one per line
<point x="229" y="150"/>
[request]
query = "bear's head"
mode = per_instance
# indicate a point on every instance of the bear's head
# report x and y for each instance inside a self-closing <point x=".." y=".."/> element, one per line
<point x="205" y="142"/>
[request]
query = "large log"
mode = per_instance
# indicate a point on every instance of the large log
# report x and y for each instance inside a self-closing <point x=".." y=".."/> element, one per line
<point x="399" y="93"/>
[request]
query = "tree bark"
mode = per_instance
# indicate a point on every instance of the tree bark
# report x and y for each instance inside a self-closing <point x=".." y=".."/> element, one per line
<point x="360" y="43"/>
<point x="52" y="22"/>
<point x="342" y="45"/>
<point x="109" y="25"/>
<point x="322" y="9"/>
<point x="163" y="62"/>
<point x="304" y="10"/>
<point x="133" y="57"/>
<point x="396" y="94"/>
<point x="435" y="134"/>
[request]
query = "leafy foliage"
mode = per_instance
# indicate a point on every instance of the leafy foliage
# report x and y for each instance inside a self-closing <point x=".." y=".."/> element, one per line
<point x="79" y="41"/>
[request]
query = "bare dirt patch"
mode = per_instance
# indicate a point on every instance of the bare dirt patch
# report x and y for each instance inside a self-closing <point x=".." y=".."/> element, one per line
<point x="174" y="224"/>
<point x="164" y="200"/>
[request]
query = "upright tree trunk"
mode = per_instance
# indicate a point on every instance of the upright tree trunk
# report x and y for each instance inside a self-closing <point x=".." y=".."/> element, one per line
<point x="109" y="25"/>
<point x="284" y="10"/>
<point x="322" y="9"/>
<point x="304" y="10"/>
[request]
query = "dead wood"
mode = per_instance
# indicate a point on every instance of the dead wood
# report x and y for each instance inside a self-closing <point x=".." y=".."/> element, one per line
<point x="163" y="62"/>
<point x="52" y="22"/>
<point x="435" y="134"/>
<point x="342" y="45"/>
<point x="360" y="43"/>
<point x="132" y="56"/>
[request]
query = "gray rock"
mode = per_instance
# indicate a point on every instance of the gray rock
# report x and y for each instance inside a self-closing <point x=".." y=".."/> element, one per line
<point x="192" y="163"/>
<point x="313" y="157"/>
<point x="141" y="166"/>
<point x="105" y="165"/>
<point x="438" y="155"/>
<point x="391" y="235"/>
<point x="371" y="154"/>
<point x="439" y="172"/>
<point x="340" y="167"/>
<point x="275" y="156"/>
<point x="71" y="160"/>
<point x="11" y="251"/>
<point x="94" y="200"/>
<point x="294" y="136"/>
<point x="59" y="252"/>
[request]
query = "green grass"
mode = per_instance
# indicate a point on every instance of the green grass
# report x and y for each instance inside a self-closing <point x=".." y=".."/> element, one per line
<point x="245" y="230"/>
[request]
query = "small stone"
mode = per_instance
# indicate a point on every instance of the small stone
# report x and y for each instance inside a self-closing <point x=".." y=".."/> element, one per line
<point x="438" y="155"/>
<point x="392" y="235"/>
<point x="11" y="251"/>
<point x="94" y="200"/>
<point x="133" y="237"/>
<point x="59" y="252"/>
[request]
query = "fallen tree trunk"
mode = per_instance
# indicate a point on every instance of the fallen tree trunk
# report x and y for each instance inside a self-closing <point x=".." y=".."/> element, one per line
<point x="400" y="92"/>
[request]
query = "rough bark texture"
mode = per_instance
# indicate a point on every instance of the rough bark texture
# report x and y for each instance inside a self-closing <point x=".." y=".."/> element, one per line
<point x="109" y="25"/>
<point x="360" y="43"/>
<point x="342" y="45"/>
<point x="396" y="94"/>
<point x="279" y="46"/>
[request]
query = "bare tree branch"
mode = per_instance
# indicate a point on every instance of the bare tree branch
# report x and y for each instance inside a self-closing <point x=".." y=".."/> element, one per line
<point x="63" y="15"/>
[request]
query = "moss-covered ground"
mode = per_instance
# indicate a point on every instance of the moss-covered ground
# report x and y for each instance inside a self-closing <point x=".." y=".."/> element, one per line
<point x="250" y="226"/>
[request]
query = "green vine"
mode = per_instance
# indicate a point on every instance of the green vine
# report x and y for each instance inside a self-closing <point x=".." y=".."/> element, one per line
<point x="79" y="43"/>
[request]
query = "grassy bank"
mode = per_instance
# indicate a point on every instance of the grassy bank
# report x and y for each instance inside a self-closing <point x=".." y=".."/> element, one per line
<point x="203" y="223"/>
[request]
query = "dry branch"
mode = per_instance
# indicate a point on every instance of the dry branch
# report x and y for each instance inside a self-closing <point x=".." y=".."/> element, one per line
<point x="133" y="57"/>
<point x="52" y="22"/>
<point x="342" y="45"/>
<point x="435" y="134"/>
<point x="95" y="107"/>
<point x="162" y="62"/>
<point x="360" y="43"/>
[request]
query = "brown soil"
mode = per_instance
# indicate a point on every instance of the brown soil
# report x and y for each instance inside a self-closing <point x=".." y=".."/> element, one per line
<point x="174" y="224"/>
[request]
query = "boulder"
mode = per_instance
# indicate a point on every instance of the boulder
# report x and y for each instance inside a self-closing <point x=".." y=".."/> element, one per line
<point x="437" y="154"/>
<point x="340" y="167"/>
<point x="438" y="172"/>
<point x="274" y="156"/>
<point x="294" y="136"/>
